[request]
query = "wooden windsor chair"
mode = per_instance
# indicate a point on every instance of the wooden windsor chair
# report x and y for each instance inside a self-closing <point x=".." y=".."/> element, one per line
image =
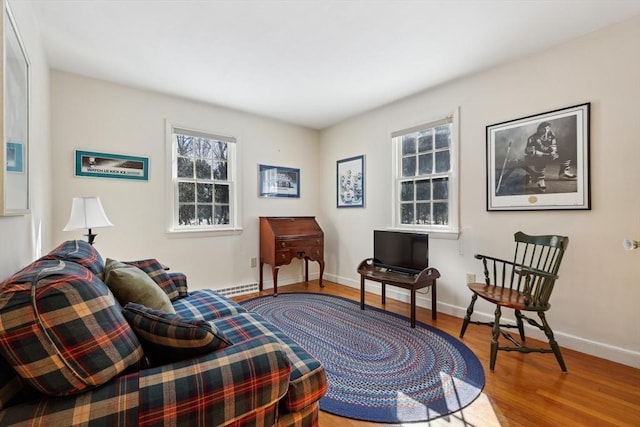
<point x="524" y="285"/>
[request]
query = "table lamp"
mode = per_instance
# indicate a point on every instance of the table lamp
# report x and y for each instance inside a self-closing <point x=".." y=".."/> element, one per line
<point x="87" y="212"/>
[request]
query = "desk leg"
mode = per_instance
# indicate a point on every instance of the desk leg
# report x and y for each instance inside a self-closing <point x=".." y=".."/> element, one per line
<point x="413" y="307"/>
<point x="361" y="292"/>
<point x="434" y="303"/>
<point x="321" y="262"/>
<point x="306" y="269"/>
<point x="275" y="271"/>
<point x="260" y="283"/>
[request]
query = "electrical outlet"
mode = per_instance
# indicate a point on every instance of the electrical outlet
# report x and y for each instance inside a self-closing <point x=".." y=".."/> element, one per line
<point x="471" y="278"/>
<point x="254" y="262"/>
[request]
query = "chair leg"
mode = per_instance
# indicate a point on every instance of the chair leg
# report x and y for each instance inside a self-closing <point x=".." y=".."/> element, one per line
<point x="494" y="339"/>
<point x="552" y="341"/>
<point x="519" y="318"/>
<point x="467" y="318"/>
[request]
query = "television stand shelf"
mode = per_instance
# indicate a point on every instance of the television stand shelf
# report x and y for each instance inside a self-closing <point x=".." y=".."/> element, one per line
<point x="427" y="277"/>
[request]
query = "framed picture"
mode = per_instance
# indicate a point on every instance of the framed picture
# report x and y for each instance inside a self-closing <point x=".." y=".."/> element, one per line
<point x="350" y="182"/>
<point x="14" y="118"/>
<point x="278" y="181"/>
<point x="15" y="157"/>
<point x="540" y="162"/>
<point x="106" y="165"/>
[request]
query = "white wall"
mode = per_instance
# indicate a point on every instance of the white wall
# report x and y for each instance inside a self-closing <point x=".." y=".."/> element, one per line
<point x="23" y="237"/>
<point x="595" y="301"/>
<point x="95" y="115"/>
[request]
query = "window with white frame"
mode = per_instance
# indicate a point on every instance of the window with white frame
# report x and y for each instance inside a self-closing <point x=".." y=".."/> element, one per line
<point x="425" y="172"/>
<point x="202" y="173"/>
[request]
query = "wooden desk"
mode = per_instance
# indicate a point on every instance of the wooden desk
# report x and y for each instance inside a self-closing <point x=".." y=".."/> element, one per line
<point x="427" y="277"/>
<point x="285" y="238"/>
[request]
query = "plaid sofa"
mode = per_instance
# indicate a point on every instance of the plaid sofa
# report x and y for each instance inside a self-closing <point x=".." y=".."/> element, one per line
<point x="69" y="356"/>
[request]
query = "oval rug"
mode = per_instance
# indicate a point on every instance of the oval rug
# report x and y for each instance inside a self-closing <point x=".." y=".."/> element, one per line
<point x="378" y="368"/>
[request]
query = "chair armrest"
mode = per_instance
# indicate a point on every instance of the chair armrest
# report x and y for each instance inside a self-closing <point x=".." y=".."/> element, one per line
<point x="490" y="258"/>
<point x="497" y="271"/>
<point x="227" y="384"/>
<point x="530" y="271"/>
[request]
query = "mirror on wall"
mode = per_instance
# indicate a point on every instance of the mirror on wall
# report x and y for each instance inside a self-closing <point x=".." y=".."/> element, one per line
<point x="14" y="119"/>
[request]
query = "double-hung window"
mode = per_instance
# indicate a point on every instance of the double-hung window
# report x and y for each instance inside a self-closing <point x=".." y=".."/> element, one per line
<point x="425" y="170"/>
<point x="202" y="172"/>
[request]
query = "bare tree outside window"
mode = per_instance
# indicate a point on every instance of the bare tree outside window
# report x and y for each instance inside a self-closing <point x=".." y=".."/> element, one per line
<point x="202" y="179"/>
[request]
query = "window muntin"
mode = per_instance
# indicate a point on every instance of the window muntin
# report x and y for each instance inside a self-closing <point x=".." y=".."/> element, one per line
<point x="202" y="180"/>
<point x="425" y="189"/>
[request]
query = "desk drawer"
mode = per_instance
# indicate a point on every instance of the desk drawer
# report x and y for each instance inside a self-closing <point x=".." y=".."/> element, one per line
<point x="299" y="243"/>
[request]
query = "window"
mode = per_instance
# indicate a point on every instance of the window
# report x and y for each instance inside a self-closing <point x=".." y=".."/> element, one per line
<point x="203" y="187"/>
<point x="425" y="187"/>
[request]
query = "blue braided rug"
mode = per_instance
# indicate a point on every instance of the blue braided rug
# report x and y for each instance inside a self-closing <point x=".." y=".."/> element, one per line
<point x="378" y="368"/>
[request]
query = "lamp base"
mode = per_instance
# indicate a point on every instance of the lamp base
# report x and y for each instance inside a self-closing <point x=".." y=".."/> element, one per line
<point x="90" y="237"/>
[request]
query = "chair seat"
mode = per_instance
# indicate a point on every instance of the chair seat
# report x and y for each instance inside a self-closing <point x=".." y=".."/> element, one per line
<point x="504" y="297"/>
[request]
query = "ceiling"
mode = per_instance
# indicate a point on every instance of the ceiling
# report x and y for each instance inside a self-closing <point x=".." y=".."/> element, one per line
<point x="309" y="62"/>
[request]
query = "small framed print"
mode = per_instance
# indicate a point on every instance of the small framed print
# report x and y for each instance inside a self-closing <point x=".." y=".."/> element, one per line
<point x="15" y="157"/>
<point x="540" y="162"/>
<point x="278" y="181"/>
<point x="350" y="182"/>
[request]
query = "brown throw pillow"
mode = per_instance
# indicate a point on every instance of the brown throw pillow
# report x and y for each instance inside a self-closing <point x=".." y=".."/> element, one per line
<point x="130" y="284"/>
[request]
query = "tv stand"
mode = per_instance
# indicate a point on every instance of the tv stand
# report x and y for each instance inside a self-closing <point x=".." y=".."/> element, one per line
<point x="427" y="277"/>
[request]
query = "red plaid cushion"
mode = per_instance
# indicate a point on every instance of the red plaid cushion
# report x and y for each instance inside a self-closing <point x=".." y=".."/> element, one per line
<point x="157" y="272"/>
<point x="167" y="337"/>
<point x="62" y="331"/>
<point x="80" y="252"/>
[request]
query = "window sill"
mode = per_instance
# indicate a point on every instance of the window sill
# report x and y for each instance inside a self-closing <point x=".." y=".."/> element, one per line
<point x="436" y="234"/>
<point x="206" y="232"/>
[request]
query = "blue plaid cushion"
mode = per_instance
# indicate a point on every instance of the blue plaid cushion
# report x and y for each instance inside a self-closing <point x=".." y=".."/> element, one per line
<point x="308" y="381"/>
<point x="167" y="337"/>
<point x="158" y="273"/>
<point x="80" y="252"/>
<point x="180" y="282"/>
<point x="61" y="329"/>
<point x="206" y="304"/>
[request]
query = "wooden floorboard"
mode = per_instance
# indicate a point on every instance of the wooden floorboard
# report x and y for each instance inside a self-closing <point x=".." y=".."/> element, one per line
<point x="524" y="389"/>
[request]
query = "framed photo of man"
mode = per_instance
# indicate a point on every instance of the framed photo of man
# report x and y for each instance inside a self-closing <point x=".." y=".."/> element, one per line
<point x="540" y="162"/>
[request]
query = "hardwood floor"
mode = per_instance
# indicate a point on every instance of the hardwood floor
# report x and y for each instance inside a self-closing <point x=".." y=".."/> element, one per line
<point x="524" y="389"/>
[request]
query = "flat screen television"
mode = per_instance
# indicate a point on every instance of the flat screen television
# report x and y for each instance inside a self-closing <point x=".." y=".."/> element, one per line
<point x="400" y="251"/>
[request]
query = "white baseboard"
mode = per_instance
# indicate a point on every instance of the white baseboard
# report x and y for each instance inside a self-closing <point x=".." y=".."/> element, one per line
<point x="583" y="345"/>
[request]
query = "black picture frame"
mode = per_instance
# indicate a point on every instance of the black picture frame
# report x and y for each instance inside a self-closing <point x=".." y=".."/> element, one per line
<point x="540" y="162"/>
<point x="350" y="182"/>
<point x="278" y="181"/>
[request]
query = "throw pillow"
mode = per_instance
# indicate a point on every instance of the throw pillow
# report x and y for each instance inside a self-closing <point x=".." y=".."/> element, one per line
<point x="62" y="330"/>
<point x="130" y="284"/>
<point x="158" y="273"/>
<point x="168" y="337"/>
<point x="80" y="252"/>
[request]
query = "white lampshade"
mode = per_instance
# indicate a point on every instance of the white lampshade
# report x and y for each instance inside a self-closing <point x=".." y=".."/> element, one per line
<point x="87" y="212"/>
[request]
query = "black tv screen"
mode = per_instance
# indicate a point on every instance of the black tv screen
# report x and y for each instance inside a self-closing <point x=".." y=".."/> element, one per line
<point x="408" y="252"/>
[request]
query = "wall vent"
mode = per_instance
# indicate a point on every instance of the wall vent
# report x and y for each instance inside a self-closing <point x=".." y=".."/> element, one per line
<point x="239" y="290"/>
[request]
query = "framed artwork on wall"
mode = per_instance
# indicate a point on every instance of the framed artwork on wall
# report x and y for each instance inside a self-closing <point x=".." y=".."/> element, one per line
<point x="350" y="182"/>
<point x="278" y="181"/>
<point x="14" y="120"/>
<point x="540" y="162"/>
<point x="15" y="157"/>
<point x="107" y="165"/>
